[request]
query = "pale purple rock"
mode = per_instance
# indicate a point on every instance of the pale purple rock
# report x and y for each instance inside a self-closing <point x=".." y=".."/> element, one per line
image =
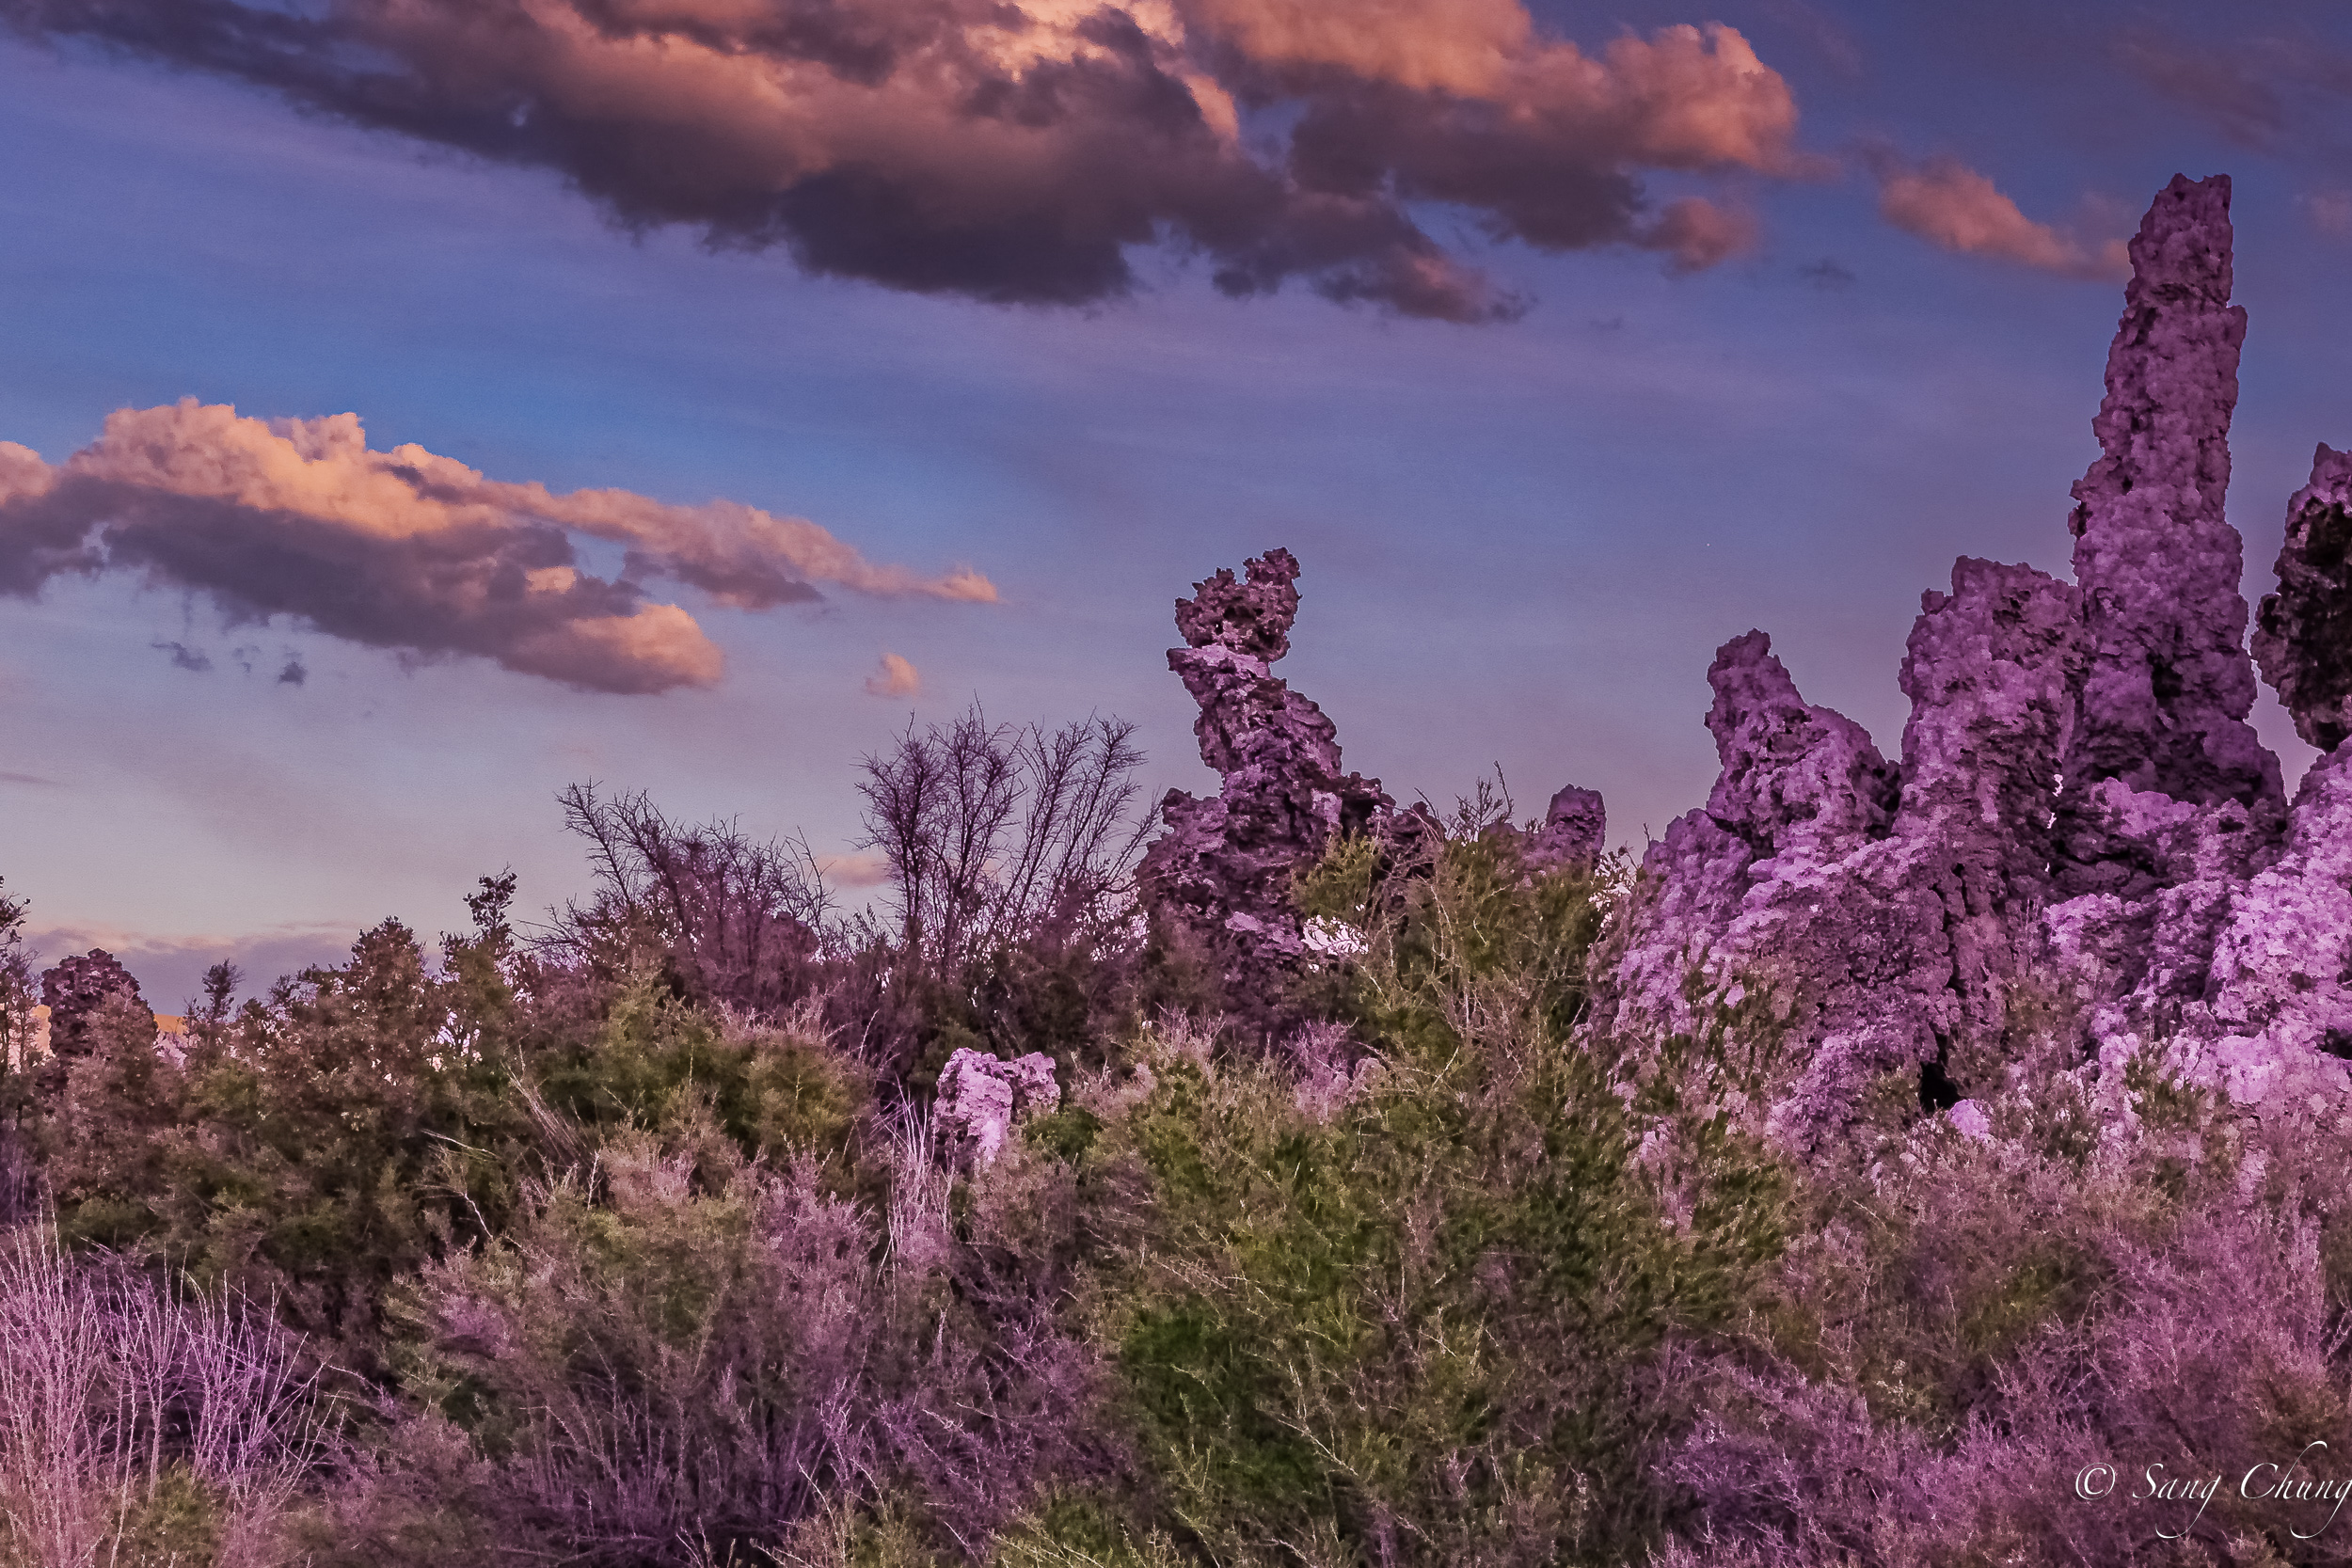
<point x="2165" y="702"/>
<point x="1223" y="869"/>
<point x="1883" y="919"/>
<point x="2281" y="967"/>
<point x="1990" y="670"/>
<point x="1574" y="830"/>
<point x="1760" y="888"/>
<point x="2303" y="632"/>
<point x="980" y="1097"/>
<point x="2247" y="984"/>
<point x="1796" y="778"/>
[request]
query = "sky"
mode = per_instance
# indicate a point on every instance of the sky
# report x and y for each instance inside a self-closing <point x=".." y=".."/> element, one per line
<point x="409" y="409"/>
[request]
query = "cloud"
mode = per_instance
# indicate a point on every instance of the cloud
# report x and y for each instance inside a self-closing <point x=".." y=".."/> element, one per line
<point x="1828" y="275"/>
<point x="295" y="674"/>
<point x="1696" y="234"/>
<point x="2331" y="212"/>
<point x="1948" y="204"/>
<point x="170" y="969"/>
<point x="897" y="677"/>
<point x="33" y="780"/>
<point x="2269" y="92"/>
<point x="185" y="657"/>
<point x="2233" y="88"/>
<point x="866" y="869"/>
<point x="1018" y="153"/>
<point x="407" y="550"/>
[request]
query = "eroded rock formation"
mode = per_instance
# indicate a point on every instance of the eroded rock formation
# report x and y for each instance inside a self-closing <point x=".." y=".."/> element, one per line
<point x="1222" y="871"/>
<point x="2303" y="632"/>
<point x="2164" y="704"/>
<point x="2084" y="854"/>
<point x="1883" y="906"/>
<point x="1575" y="831"/>
<point x="980" y="1096"/>
<point x="2082" y="819"/>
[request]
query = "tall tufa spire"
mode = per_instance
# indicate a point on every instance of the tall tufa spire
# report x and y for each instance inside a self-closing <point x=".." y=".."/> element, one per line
<point x="2170" y="686"/>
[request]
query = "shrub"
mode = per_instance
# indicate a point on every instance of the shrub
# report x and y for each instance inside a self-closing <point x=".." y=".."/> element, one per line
<point x="312" y="1149"/>
<point x="1435" y="1324"/>
<point x="677" y="1350"/>
<point x="141" y="1429"/>
<point x="1953" y="1342"/>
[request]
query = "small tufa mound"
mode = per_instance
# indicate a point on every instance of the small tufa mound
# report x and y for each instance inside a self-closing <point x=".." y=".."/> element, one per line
<point x="979" y="1097"/>
<point x="1575" y="831"/>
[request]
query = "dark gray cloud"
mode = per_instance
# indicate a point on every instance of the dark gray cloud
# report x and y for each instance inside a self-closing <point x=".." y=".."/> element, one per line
<point x="1828" y="273"/>
<point x="1018" y="153"/>
<point x="2266" y="89"/>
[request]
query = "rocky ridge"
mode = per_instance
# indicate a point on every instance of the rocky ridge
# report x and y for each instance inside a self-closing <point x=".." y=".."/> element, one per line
<point x="2082" y="848"/>
<point x="2083" y="836"/>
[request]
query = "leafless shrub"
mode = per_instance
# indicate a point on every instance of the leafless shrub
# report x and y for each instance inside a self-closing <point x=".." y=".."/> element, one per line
<point x="992" y="833"/>
<point x="737" y="919"/>
<point x="109" y="1388"/>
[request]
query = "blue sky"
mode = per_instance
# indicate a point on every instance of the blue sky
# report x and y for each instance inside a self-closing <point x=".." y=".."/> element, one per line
<point x="1521" y="540"/>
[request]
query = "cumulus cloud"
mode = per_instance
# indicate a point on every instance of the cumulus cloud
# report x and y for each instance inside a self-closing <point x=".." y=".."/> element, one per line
<point x="412" y="551"/>
<point x="1696" y="234"/>
<point x="1948" y="204"/>
<point x="896" y="677"/>
<point x="1018" y="151"/>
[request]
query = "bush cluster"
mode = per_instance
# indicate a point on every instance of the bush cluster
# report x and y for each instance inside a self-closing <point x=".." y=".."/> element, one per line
<point x="625" y="1242"/>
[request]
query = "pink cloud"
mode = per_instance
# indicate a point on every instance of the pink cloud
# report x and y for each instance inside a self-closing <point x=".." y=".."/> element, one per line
<point x="864" y="869"/>
<point x="1950" y="205"/>
<point x="896" y="677"/>
<point x="1697" y="234"/>
<point x="410" y="550"/>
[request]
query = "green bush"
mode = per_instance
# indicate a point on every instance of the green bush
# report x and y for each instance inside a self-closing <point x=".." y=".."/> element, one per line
<point x="1429" y="1325"/>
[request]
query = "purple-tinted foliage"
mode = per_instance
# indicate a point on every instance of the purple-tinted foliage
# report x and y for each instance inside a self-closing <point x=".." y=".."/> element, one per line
<point x="109" y="1385"/>
<point x="736" y="921"/>
<point x="75" y="989"/>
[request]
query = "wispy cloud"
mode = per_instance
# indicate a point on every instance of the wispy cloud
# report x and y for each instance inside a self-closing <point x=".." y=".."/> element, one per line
<point x="2331" y="212"/>
<point x="1950" y="205"/>
<point x="409" y="550"/>
<point x="31" y="779"/>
